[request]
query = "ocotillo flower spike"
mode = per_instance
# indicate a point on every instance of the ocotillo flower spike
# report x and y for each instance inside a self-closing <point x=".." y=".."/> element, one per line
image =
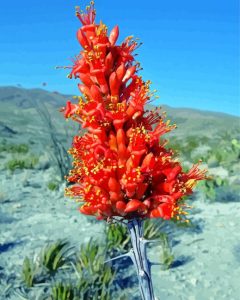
<point x="121" y="165"/>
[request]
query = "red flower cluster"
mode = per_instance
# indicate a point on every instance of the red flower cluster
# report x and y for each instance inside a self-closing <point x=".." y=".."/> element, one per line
<point x="121" y="167"/>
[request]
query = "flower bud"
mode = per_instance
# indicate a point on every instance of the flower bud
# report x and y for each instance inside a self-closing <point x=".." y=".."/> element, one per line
<point x="114" y="35"/>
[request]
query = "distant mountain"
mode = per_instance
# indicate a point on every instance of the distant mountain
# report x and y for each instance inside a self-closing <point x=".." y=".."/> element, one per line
<point x="193" y="121"/>
<point x="189" y="121"/>
<point x="26" y="98"/>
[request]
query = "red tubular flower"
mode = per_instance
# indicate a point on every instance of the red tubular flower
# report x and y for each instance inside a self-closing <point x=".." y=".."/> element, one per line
<point x="121" y="167"/>
<point x="69" y="110"/>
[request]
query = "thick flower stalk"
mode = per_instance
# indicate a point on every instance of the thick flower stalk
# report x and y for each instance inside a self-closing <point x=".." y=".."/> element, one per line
<point x="121" y="165"/>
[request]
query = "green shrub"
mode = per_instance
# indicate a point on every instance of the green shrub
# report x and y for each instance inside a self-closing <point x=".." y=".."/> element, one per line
<point x="14" y="148"/>
<point x="117" y="238"/>
<point x="28" y="272"/>
<point x="53" y="186"/>
<point x="32" y="273"/>
<point x="228" y="194"/>
<point x="62" y="291"/>
<point x="225" y="149"/>
<point x="152" y="229"/>
<point x="96" y="276"/>
<point x="56" y="255"/>
<point x="22" y="163"/>
<point x="184" y="147"/>
<point x="210" y="187"/>
<point x="167" y="256"/>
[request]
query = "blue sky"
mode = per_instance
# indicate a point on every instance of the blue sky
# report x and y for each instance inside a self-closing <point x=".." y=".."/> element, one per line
<point x="190" y="48"/>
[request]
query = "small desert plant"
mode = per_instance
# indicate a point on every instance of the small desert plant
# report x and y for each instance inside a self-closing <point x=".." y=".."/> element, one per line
<point x="56" y="255"/>
<point x="14" y="148"/>
<point x="22" y="163"/>
<point x="210" y="187"/>
<point x="167" y="256"/>
<point x="93" y="289"/>
<point x="95" y="276"/>
<point x="53" y="185"/>
<point x="227" y="193"/>
<point x="3" y="195"/>
<point x="152" y="228"/>
<point x="62" y="291"/>
<point x="86" y="257"/>
<point x="117" y="238"/>
<point x="235" y="145"/>
<point x="28" y="272"/>
<point x="224" y="155"/>
<point x="33" y="272"/>
<point x="225" y="150"/>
